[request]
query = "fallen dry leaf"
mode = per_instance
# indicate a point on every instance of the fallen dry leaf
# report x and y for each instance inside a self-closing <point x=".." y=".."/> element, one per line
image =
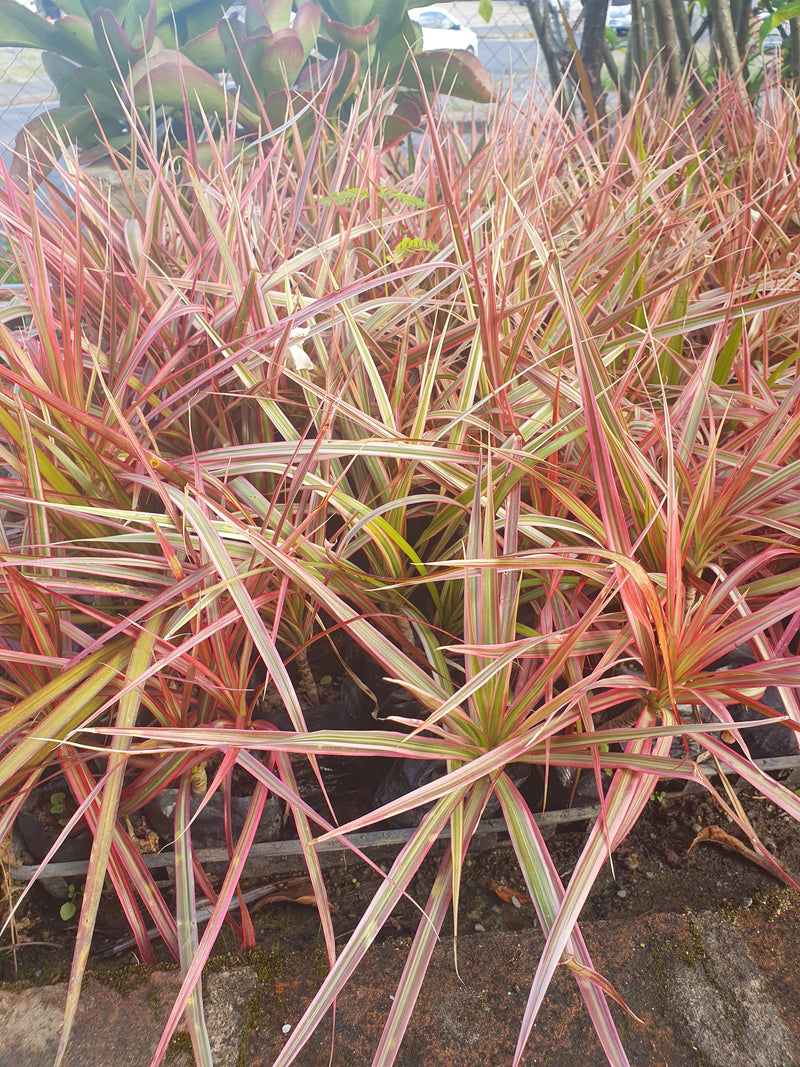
<point x="717" y="836"/>
<point x="295" y="891"/>
<point x="508" y="896"/>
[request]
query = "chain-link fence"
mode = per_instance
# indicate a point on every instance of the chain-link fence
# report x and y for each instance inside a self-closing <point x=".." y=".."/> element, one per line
<point x="22" y="77"/>
<point x="506" y="45"/>
<point x="25" y="90"/>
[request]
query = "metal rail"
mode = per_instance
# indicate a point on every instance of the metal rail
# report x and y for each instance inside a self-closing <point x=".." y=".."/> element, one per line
<point x="278" y="857"/>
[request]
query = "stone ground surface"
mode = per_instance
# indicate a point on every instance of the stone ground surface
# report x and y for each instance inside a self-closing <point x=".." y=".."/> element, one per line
<point x="710" y="989"/>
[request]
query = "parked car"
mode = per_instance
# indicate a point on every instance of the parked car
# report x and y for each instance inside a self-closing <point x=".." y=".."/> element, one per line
<point x="42" y="7"/>
<point x="619" y="19"/>
<point x="441" y="30"/>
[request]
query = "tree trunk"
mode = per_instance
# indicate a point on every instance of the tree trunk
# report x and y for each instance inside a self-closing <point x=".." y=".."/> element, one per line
<point x="713" y="55"/>
<point x="725" y="40"/>
<point x="668" y="50"/>
<point x="592" y="47"/>
<point x="740" y="16"/>
<point x="650" y="35"/>
<point x="554" y="70"/>
<point x="636" y="43"/>
<point x="613" y="70"/>
<point x="794" y="50"/>
<point x="686" y="41"/>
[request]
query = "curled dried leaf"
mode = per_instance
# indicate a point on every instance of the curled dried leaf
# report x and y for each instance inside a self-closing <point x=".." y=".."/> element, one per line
<point x="717" y="836"/>
<point x="507" y="895"/>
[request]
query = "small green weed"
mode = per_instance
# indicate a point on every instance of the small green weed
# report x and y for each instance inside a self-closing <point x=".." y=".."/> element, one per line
<point x="70" y="906"/>
<point x="57" y="807"/>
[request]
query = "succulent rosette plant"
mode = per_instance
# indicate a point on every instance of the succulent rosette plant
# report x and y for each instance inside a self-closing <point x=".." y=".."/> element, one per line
<point x="184" y="62"/>
<point x="381" y="31"/>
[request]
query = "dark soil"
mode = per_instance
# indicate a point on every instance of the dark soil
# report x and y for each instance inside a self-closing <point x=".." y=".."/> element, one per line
<point x="653" y="871"/>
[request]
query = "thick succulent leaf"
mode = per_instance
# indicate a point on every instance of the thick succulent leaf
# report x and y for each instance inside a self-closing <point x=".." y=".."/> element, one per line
<point x="406" y="117"/>
<point x="167" y="79"/>
<point x="63" y="73"/>
<point x="353" y="12"/>
<point x="39" y="141"/>
<point x="69" y="36"/>
<point x="113" y="43"/>
<point x="81" y="9"/>
<point x="393" y="51"/>
<point x="196" y="20"/>
<point x="344" y="72"/>
<point x="275" y="61"/>
<point x="280" y="107"/>
<point x="232" y="33"/>
<point x="412" y="32"/>
<point x="233" y="37"/>
<point x="255" y="17"/>
<point x="21" y="28"/>
<point x="60" y="71"/>
<point x="278" y="14"/>
<point x="242" y="63"/>
<point x="78" y="85"/>
<point x="355" y="37"/>
<point x="139" y="22"/>
<point x="306" y="25"/>
<point x="346" y="75"/>
<point x="282" y="61"/>
<point x="206" y="50"/>
<point x="165" y="9"/>
<point x="391" y="13"/>
<point x="73" y="37"/>
<point x="454" y="72"/>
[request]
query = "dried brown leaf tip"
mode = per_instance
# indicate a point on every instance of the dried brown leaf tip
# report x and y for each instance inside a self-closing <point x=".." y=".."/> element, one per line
<point x="145" y="840"/>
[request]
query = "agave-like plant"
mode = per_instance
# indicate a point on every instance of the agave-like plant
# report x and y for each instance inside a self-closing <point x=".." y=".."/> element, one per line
<point x="181" y="62"/>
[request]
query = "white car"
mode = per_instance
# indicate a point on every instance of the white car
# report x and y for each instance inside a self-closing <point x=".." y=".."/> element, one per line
<point x="441" y="30"/>
<point x="619" y="18"/>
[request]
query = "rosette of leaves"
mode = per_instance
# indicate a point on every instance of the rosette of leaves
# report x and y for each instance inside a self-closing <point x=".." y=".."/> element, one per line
<point x="107" y="60"/>
<point x="182" y="60"/>
<point x="380" y="33"/>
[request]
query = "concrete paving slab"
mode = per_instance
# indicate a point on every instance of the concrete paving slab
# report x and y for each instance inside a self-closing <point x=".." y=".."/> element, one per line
<point x="117" y="1025"/>
<point x="711" y="989"/>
